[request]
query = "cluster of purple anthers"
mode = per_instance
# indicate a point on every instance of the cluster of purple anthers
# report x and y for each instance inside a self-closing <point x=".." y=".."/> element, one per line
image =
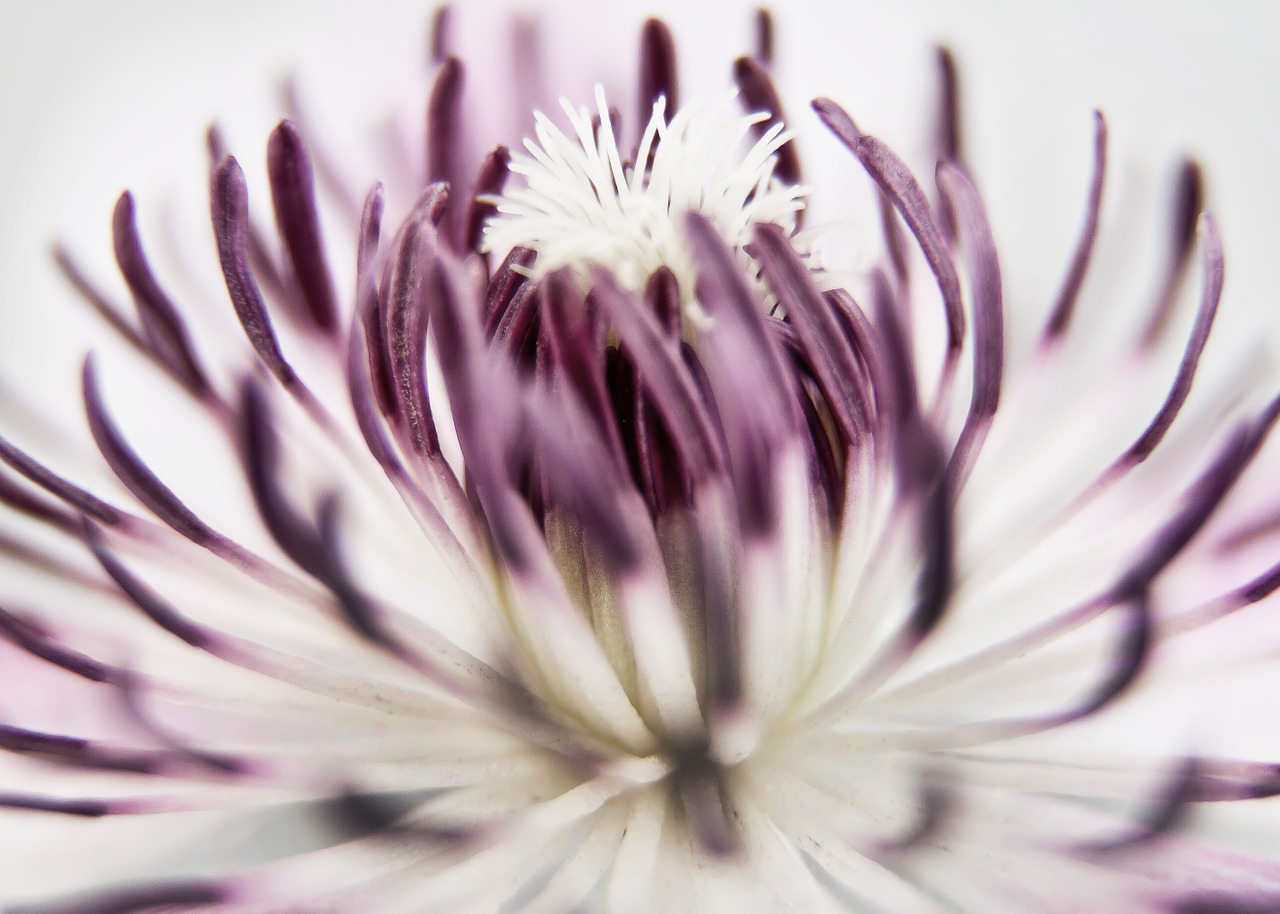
<point x="573" y="603"/>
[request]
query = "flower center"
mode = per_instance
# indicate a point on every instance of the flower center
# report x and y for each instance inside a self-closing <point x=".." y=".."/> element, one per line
<point x="583" y="204"/>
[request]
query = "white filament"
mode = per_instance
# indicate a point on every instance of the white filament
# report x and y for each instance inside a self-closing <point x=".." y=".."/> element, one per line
<point x="581" y="205"/>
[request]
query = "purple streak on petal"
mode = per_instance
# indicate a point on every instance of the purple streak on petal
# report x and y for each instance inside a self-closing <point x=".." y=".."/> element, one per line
<point x="764" y="34"/>
<point x="295" y="536"/>
<point x="75" y="752"/>
<point x="1219" y="780"/>
<point x="35" y="640"/>
<point x="1132" y="654"/>
<point x="23" y="549"/>
<point x="167" y="897"/>
<point x="670" y="384"/>
<point x="155" y="607"/>
<point x="82" y="808"/>
<point x="658" y="76"/>
<point x="166" y="333"/>
<point x="356" y="607"/>
<point x="1210" y="295"/>
<point x="78" y="753"/>
<point x="1188" y="203"/>
<point x="55" y="485"/>
<point x="1203" y="499"/>
<point x="757" y="92"/>
<point x="294" y="199"/>
<point x="1260" y="587"/>
<point x="230" y="206"/>
<point x="26" y="502"/>
<point x="717" y="579"/>
<point x="440" y="36"/>
<point x="217" y="764"/>
<point x="1068" y="295"/>
<point x="895" y="180"/>
<point x="351" y="815"/>
<point x="1210" y="903"/>
<point x="1168" y="811"/>
<point x="819" y="331"/>
<point x="937" y="571"/>
<point x="490" y="180"/>
<point x="938" y="806"/>
<point x="131" y="470"/>
<point x="988" y="319"/>
<point x="707" y="806"/>
<point x="108" y="311"/>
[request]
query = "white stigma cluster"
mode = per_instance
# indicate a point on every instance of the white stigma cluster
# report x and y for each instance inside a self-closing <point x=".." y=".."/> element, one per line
<point x="583" y="205"/>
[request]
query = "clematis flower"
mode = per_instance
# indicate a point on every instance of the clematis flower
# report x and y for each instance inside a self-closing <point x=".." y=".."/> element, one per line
<point x="609" y="545"/>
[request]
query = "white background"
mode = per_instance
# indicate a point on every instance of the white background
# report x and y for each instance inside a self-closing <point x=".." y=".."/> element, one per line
<point x="98" y="96"/>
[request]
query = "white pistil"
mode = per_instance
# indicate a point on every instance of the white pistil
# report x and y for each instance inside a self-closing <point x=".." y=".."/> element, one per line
<point x="584" y="205"/>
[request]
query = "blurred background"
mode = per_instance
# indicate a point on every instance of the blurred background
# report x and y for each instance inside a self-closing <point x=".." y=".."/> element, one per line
<point x="97" y="97"/>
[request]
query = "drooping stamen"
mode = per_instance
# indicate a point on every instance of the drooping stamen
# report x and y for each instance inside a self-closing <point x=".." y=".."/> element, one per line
<point x="1064" y="305"/>
<point x="1210" y="296"/>
<point x="261" y="259"/>
<point x="893" y="177"/>
<point x="1188" y="204"/>
<point x="293" y="197"/>
<point x="55" y="485"/>
<point x="26" y="502"/>
<point x="131" y="470"/>
<point x="105" y="308"/>
<point x="988" y="319"/>
<point x="162" y="325"/>
<point x="1203" y="498"/>
<point x="145" y="598"/>
<point x="230" y="205"/>
<point x="38" y="642"/>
